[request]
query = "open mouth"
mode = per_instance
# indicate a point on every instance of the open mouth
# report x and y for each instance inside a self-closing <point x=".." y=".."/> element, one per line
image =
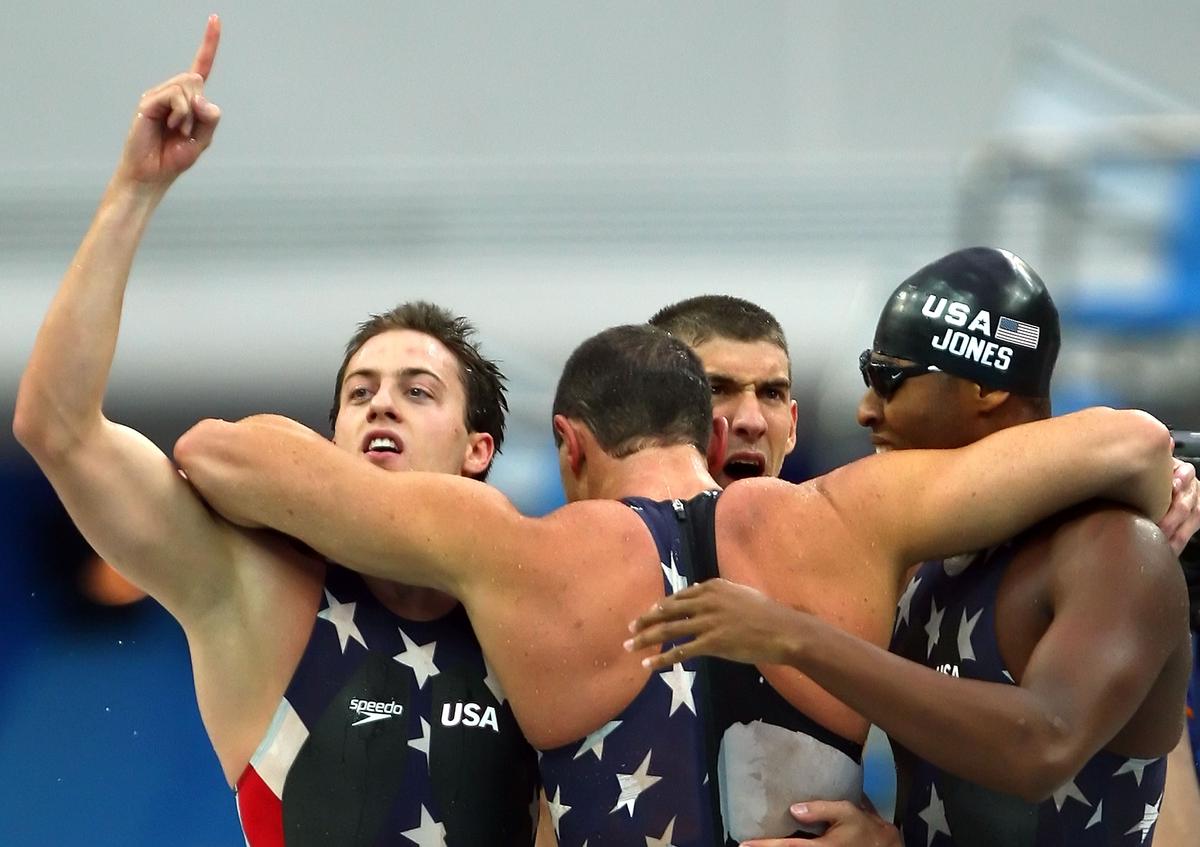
<point x="377" y="443"/>
<point x="745" y="467"/>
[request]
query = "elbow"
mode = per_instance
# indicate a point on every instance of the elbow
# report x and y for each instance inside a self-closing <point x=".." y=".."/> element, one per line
<point x="1152" y="437"/>
<point x="33" y="428"/>
<point x="200" y="448"/>
<point x="1041" y="783"/>
<point x="26" y="428"/>
<point x="1045" y="760"/>
<point x="1153" y="444"/>
<point x="1137" y="447"/>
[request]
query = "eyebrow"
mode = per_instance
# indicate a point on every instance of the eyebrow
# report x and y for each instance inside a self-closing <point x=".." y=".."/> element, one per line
<point x="403" y="373"/>
<point x="722" y="380"/>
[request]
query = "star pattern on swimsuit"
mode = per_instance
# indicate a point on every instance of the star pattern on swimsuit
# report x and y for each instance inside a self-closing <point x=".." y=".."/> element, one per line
<point x="422" y="744"/>
<point x="1069" y="791"/>
<point x="1149" y="818"/>
<point x="675" y="579"/>
<point x="905" y="606"/>
<point x="594" y="743"/>
<point x="665" y="840"/>
<point x="430" y="833"/>
<point x="934" y="816"/>
<point x="633" y="785"/>
<point x="680" y="682"/>
<point x="636" y="778"/>
<point x="966" y="628"/>
<point x="1137" y="767"/>
<point x="557" y="809"/>
<point x="332" y="672"/>
<point x="419" y="658"/>
<point x="933" y="629"/>
<point x="341" y="615"/>
<point x="957" y="611"/>
<point x="493" y="683"/>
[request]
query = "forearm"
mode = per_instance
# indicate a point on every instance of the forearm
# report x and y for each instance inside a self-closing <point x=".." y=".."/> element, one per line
<point x="999" y="736"/>
<point x="270" y="471"/>
<point x="223" y="466"/>
<point x="1099" y="453"/>
<point x="63" y="385"/>
<point x="989" y="491"/>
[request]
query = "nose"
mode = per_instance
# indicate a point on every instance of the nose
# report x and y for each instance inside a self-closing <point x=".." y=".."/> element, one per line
<point x="870" y="409"/>
<point x="383" y="405"/>
<point x="747" y="421"/>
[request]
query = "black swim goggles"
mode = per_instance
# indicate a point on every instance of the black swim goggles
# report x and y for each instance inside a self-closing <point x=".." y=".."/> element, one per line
<point x="887" y="377"/>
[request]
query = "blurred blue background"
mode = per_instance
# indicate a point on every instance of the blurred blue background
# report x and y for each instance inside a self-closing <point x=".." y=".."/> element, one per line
<point x="548" y="169"/>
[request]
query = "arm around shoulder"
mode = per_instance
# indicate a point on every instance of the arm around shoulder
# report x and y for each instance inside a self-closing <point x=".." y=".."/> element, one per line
<point x="926" y="504"/>
<point x="434" y="530"/>
<point x="219" y="459"/>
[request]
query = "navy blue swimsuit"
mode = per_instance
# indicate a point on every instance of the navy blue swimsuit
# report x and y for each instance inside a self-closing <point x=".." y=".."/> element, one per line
<point x="947" y="621"/>
<point x="391" y="732"/>
<point x="707" y="753"/>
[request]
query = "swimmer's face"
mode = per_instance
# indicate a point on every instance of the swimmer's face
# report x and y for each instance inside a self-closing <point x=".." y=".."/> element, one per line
<point x="929" y="411"/>
<point x="752" y="389"/>
<point x="403" y="407"/>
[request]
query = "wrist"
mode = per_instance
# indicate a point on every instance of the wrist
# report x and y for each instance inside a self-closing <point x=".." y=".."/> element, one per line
<point x="797" y="639"/>
<point x="128" y="196"/>
<point x="125" y="209"/>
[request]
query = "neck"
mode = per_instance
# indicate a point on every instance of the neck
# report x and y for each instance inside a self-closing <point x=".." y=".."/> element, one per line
<point x="660" y="473"/>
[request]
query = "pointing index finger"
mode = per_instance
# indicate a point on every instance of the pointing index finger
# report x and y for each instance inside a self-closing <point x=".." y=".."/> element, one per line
<point x="207" y="51"/>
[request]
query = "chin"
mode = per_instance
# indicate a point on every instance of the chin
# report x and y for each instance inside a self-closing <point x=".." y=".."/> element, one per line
<point x="389" y="461"/>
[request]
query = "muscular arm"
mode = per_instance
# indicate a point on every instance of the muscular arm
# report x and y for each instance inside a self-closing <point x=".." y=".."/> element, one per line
<point x="1118" y="599"/>
<point x="123" y="493"/>
<point x="926" y="504"/>
<point x="274" y="472"/>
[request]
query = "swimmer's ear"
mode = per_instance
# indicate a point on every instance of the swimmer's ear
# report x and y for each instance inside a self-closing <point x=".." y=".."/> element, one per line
<point x="717" y="444"/>
<point x="988" y="400"/>
<point x="568" y="438"/>
<point x="481" y="447"/>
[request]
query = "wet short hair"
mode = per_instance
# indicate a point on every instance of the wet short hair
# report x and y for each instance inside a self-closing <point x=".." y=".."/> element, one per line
<point x="636" y="387"/>
<point x="482" y="380"/>
<point x="698" y="319"/>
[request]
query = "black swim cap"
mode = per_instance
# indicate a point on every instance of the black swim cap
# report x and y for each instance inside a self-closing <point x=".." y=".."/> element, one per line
<point x="981" y="314"/>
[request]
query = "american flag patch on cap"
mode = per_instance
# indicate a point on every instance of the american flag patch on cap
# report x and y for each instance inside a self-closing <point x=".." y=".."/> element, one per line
<point x="1017" y="332"/>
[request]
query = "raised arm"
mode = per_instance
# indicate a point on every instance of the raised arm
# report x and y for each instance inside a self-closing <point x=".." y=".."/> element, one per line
<point x="123" y="493"/>
<point x="925" y="504"/>
<point x="429" y="529"/>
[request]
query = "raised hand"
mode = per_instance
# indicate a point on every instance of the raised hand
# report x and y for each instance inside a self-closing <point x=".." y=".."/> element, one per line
<point x="723" y="619"/>
<point x="174" y="123"/>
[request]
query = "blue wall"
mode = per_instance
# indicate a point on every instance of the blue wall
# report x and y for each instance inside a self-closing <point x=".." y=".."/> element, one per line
<point x="100" y="738"/>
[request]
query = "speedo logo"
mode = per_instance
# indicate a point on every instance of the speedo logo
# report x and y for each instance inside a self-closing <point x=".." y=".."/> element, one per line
<point x="373" y="710"/>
